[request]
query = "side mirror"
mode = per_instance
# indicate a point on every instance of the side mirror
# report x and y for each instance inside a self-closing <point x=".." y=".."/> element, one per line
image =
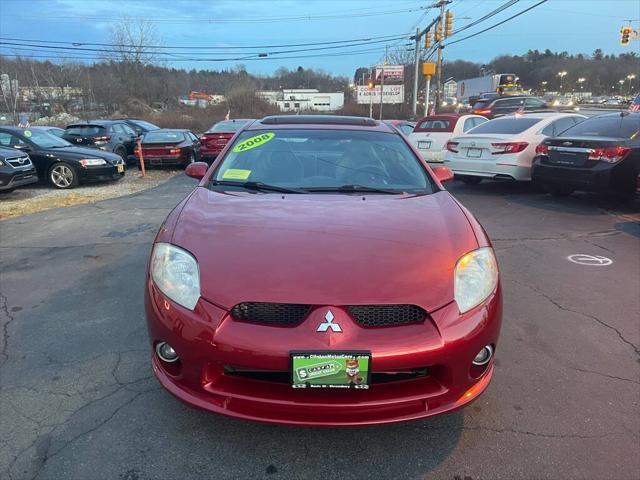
<point x="199" y="169"/>
<point x="22" y="147"/>
<point x="443" y="174"/>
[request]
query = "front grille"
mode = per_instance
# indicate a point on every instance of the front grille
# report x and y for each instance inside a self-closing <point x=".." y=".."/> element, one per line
<point x="18" y="162"/>
<point x="278" y="376"/>
<point x="286" y="314"/>
<point x="386" y="315"/>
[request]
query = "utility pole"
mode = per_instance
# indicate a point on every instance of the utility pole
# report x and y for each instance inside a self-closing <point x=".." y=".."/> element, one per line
<point x="417" y="38"/>
<point x="439" y="61"/>
<point x="414" y="106"/>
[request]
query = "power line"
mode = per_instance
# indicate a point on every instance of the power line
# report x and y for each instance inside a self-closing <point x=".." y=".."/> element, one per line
<point x="197" y="47"/>
<point x="487" y="16"/>
<point x="160" y="53"/>
<point x="497" y="24"/>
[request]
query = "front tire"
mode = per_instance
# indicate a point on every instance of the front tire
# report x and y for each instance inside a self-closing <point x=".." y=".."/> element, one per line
<point x="63" y="176"/>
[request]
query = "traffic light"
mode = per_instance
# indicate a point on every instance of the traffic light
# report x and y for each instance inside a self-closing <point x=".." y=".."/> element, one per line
<point x="625" y="34"/>
<point x="448" y="23"/>
<point x="427" y="41"/>
<point x="437" y="35"/>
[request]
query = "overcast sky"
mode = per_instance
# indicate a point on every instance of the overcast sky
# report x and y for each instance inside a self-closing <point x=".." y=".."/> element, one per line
<point x="571" y="25"/>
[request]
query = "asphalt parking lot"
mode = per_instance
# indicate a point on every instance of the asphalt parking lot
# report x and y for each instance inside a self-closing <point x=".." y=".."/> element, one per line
<point x="78" y="400"/>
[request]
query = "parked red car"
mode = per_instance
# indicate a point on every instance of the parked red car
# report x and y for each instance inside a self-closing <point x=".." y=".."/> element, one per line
<point x="215" y="139"/>
<point x="321" y="275"/>
<point x="167" y="146"/>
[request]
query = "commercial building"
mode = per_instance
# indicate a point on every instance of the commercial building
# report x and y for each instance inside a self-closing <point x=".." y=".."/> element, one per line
<point x="302" y="100"/>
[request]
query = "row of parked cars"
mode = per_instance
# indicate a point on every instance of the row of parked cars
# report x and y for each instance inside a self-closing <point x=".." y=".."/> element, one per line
<point x="562" y="152"/>
<point x="100" y="150"/>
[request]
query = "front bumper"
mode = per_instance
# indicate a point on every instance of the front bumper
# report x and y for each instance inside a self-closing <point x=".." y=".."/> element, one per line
<point x="101" y="174"/>
<point x="17" y="178"/>
<point x="208" y="340"/>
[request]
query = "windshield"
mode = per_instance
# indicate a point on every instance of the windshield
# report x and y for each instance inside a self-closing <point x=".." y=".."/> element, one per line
<point x="228" y="126"/>
<point x="616" y="126"/>
<point x="324" y="160"/>
<point x="45" y="139"/>
<point x="506" y="125"/>
<point x="158" y="136"/>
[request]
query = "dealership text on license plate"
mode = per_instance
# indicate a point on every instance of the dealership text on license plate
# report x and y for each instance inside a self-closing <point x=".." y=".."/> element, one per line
<point x="322" y="369"/>
<point x="120" y="168"/>
<point x="424" y="145"/>
<point x="474" y="152"/>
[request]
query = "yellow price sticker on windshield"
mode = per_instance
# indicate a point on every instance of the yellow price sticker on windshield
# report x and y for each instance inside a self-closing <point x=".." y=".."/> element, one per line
<point x="236" y="174"/>
<point x="253" y="142"/>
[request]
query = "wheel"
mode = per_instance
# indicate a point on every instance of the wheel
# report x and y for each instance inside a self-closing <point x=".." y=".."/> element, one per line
<point x="123" y="154"/>
<point x="560" y="191"/>
<point x="62" y="175"/>
<point x="471" y="180"/>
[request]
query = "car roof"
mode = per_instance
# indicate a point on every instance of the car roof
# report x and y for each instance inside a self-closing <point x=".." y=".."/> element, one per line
<point x="44" y="127"/>
<point x="14" y="129"/>
<point x="320" y="121"/>
<point x="96" y="123"/>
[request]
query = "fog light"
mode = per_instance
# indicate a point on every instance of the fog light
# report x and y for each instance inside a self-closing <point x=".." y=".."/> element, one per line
<point x="483" y="356"/>
<point x="166" y="352"/>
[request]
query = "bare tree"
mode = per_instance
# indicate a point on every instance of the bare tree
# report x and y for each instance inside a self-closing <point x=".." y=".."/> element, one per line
<point x="135" y="40"/>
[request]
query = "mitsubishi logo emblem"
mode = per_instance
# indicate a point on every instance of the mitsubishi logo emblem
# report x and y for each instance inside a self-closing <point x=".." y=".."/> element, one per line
<point x="324" y="326"/>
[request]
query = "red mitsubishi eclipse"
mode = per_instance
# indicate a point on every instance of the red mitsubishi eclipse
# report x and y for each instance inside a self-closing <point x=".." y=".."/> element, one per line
<point x="321" y="275"/>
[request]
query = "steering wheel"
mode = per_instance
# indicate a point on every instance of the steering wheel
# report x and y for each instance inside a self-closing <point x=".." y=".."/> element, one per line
<point x="372" y="173"/>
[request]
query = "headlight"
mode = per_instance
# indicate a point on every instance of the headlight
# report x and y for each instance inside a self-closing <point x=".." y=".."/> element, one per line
<point x="176" y="274"/>
<point x="1" y="163"/>
<point x="90" y="162"/>
<point x="476" y="276"/>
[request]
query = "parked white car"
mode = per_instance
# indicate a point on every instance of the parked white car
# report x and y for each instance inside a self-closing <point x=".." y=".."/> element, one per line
<point x="504" y="148"/>
<point x="431" y="134"/>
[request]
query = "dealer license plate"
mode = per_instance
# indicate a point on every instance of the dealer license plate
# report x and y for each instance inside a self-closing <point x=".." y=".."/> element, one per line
<point x="120" y="168"/>
<point x="474" y="152"/>
<point x="347" y="369"/>
<point x="424" y="145"/>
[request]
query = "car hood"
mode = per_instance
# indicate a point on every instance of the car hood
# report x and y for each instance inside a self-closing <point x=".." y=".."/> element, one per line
<point x="325" y="249"/>
<point x="78" y="153"/>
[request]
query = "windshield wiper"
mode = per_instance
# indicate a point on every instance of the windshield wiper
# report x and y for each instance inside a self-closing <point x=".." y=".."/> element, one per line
<point x="354" y="188"/>
<point x="259" y="186"/>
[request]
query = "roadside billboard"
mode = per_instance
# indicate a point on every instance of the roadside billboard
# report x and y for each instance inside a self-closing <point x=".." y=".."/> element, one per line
<point x="392" y="73"/>
<point x="392" y="94"/>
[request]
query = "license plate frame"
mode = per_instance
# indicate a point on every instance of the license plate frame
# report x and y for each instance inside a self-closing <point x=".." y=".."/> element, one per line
<point x="331" y="377"/>
<point x="120" y="168"/>
<point x="477" y="152"/>
<point x="424" y="144"/>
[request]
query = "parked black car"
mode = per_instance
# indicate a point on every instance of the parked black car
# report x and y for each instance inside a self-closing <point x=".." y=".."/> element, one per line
<point x="108" y="135"/>
<point x="600" y="154"/>
<point x="16" y="170"/>
<point x="170" y="147"/>
<point x="496" y="107"/>
<point x="60" y="163"/>
<point x="140" y="126"/>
